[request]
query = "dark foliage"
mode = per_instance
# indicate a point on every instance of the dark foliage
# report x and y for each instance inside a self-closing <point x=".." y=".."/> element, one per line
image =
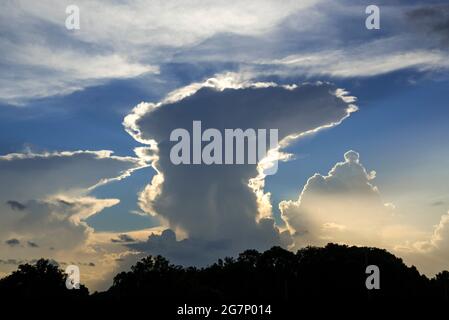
<point x="333" y="273"/>
<point x="39" y="282"/>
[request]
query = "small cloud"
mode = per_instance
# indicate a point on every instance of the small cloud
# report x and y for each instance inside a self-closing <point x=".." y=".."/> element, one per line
<point x="139" y="213"/>
<point x="10" y="262"/>
<point x="32" y="244"/>
<point x="123" y="238"/>
<point x="66" y="203"/>
<point x="12" y="242"/>
<point x="15" y="205"/>
<point x="437" y="203"/>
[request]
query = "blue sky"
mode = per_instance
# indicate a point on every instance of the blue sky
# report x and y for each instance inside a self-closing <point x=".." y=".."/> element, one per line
<point x="64" y="96"/>
<point x="399" y="130"/>
<point x="397" y="117"/>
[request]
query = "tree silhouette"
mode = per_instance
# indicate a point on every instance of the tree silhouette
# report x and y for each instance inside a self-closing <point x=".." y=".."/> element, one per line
<point x="40" y="281"/>
<point x="440" y="284"/>
<point x="334" y="273"/>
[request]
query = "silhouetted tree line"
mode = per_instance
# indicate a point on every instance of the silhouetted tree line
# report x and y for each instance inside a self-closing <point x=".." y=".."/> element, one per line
<point x="43" y="280"/>
<point x="335" y="272"/>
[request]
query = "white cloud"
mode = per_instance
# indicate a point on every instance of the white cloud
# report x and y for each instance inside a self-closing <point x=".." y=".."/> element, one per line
<point x="115" y="40"/>
<point x="342" y="207"/>
<point x="356" y="62"/>
<point x="131" y="38"/>
<point x="432" y="254"/>
<point x="439" y="239"/>
<point x="41" y="70"/>
<point x="332" y="41"/>
<point x="175" y="23"/>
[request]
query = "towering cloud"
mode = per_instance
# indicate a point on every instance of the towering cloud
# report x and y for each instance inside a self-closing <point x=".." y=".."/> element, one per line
<point x="224" y="206"/>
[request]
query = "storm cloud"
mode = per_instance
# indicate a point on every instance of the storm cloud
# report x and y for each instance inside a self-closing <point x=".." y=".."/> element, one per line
<point x="194" y="200"/>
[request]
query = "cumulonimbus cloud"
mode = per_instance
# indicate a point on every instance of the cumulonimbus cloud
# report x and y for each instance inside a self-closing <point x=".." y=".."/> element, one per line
<point x="225" y="205"/>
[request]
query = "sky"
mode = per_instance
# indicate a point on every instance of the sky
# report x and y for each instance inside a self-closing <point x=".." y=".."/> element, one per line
<point x="86" y="115"/>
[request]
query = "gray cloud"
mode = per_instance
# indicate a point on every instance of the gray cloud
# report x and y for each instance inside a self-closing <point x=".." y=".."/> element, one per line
<point x="51" y="194"/>
<point x="194" y="201"/>
<point x="12" y="242"/>
<point x="185" y="252"/>
<point x="32" y="244"/>
<point x="123" y="238"/>
<point x="46" y="59"/>
<point x="33" y="176"/>
<point x="51" y="223"/>
<point x="55" y="188"/>
<point x="41" y="58"/>
<point x="431" y="21"/>
<point x="16" y="205"/>
<point x="345" y="50"/>
<point x="16" y="262"/>
<point x="437" y="203"/>
<point x="431" y="254"/>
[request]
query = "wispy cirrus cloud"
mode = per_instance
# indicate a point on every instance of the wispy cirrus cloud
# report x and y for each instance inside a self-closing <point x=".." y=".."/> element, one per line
<point x="130" y="39"/>
<point x="360" y="62"/>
